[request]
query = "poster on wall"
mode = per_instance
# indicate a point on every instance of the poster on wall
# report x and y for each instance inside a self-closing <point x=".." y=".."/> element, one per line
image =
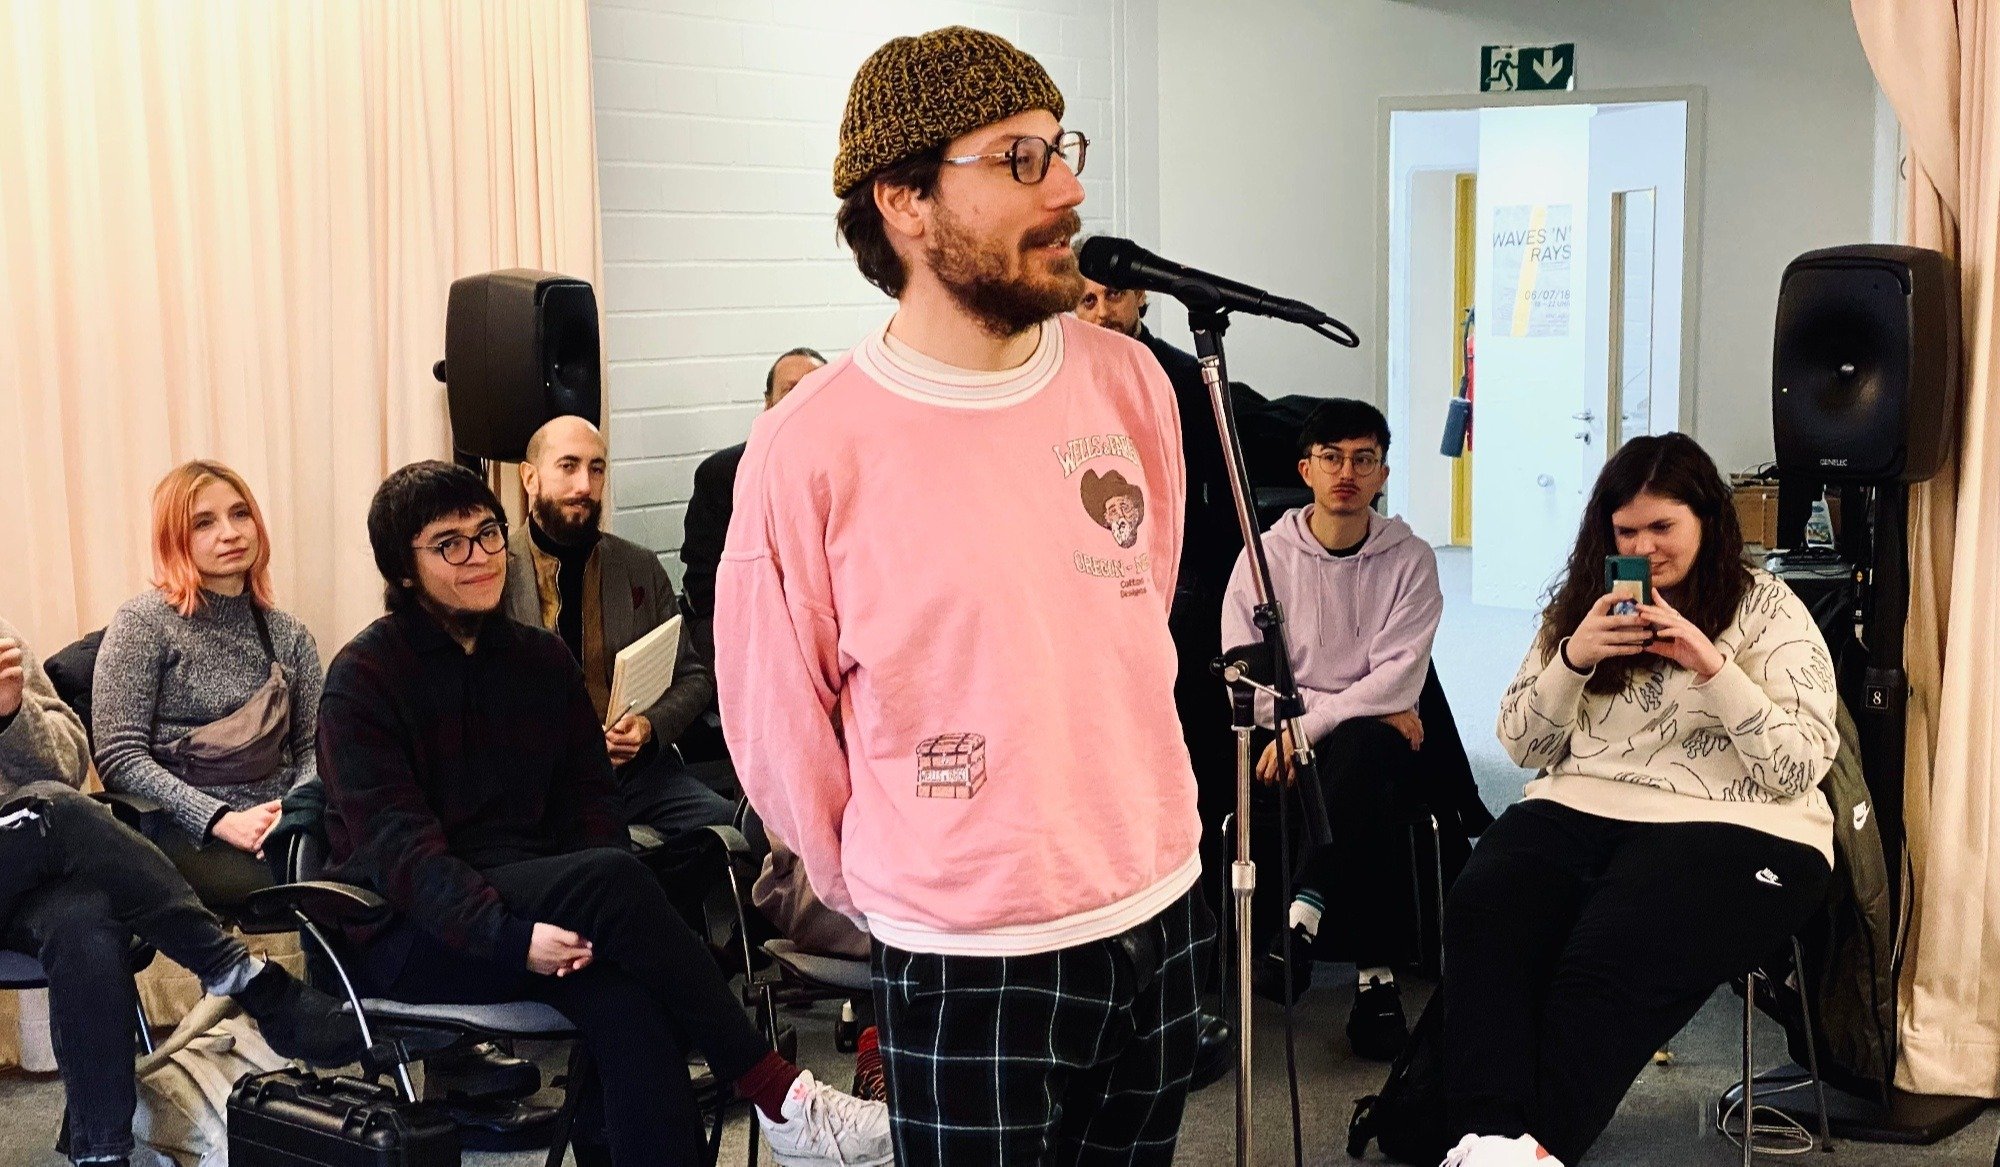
<point x="1532" y="248"/>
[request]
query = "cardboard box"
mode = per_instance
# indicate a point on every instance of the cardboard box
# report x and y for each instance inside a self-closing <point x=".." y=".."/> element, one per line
<point x="1757" y="512"/>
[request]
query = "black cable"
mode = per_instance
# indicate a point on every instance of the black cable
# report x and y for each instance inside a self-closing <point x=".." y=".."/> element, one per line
<point x="1285" y="944"/>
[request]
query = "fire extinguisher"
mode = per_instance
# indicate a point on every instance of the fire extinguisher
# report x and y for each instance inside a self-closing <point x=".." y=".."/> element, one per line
<point x="1458" y="414"/>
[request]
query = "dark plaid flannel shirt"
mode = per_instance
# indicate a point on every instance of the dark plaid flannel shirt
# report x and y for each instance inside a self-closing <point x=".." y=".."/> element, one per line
<point x="441" y="764"/>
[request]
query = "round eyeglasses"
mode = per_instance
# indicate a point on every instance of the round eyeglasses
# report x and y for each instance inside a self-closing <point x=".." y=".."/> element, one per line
<point x="457" y="549"/>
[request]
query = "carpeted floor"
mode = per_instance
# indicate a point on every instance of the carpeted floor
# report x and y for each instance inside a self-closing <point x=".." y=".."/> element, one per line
<point x="1666" y="1120"/>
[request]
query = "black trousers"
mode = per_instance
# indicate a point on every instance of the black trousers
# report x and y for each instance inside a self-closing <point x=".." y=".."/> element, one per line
<point x="672" y="797"/>
<point x="75" y="885"/>
<point x="1576" y="946"/>
<point x="220" y="874"/>
<point x="651" y="993"/>
<point x="1081" y="1055"/>
<point x="1367" y="772"/>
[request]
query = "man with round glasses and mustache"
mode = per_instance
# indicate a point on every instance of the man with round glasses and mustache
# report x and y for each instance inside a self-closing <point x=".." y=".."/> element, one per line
<point x="946" y="677"/>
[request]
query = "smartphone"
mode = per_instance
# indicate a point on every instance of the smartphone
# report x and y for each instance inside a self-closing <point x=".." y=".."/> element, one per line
<point x="1631" y="577"/>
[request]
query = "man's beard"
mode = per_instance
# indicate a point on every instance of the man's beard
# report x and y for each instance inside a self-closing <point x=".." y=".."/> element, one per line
<point x="975" y="272"/>
<point x="556" y="525"/>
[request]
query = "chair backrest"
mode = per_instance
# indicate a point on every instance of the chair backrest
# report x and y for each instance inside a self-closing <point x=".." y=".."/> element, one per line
<point x="72" y="670"/>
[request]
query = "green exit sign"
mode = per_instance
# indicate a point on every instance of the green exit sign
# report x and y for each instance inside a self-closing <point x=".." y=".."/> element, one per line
<point x="1505" y="68"/>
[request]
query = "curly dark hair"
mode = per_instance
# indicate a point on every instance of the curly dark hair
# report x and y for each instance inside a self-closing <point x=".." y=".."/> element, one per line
<point x="860" y="222"/>
<point x="1669" y="466"/>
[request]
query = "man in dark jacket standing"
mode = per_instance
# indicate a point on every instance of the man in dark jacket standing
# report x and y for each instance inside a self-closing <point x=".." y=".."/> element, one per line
<point x="1211" y="541"/>
<point x="714" y="496"/>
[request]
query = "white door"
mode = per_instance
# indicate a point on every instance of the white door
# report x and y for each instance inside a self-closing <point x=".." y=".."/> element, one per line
<point x="1638" y="207"/>
<point x="1529" y="340"/>
<point x="1545" y="387"/>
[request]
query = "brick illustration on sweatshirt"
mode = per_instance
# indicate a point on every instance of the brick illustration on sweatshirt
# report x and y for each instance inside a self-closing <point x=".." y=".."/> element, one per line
<point x="1115" y="503"/>
<point x="951" y="765"/>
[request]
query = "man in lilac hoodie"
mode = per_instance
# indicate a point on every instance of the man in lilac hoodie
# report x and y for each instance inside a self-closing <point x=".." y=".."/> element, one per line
<point x="1361" y="601"/>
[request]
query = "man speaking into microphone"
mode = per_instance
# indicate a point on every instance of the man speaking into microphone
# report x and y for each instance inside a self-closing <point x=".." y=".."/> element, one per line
<point x="941" y="633"/>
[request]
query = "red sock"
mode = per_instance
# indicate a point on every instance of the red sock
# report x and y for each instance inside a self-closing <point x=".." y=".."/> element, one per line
<point x="868" y="1080"/>
<point x="767" y="1083"/>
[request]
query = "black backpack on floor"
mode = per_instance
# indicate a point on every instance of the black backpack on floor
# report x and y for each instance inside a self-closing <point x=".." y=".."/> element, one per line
<point x="1407" y="1118"/>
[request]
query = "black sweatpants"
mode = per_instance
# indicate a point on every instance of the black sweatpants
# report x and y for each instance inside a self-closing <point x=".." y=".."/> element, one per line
<point x="1081" y="1055"/>
<point x="1576" y="946"/>
<point x="1367" y="771"/>
<point x="651" y="992"/>
<point x="75" y="885"/>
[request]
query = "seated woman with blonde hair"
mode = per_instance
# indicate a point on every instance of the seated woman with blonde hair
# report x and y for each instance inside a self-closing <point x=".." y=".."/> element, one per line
<point x="205" y="695"/>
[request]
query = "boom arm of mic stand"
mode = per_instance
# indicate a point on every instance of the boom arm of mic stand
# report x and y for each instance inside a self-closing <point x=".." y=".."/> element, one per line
<point x="1208" y="324"/>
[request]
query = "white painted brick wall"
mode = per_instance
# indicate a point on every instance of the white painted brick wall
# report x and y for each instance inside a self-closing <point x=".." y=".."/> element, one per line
<point x="716" y="127"/>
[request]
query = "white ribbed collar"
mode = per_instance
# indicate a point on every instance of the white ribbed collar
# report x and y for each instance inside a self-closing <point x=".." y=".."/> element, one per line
<point x="908" y="373"/>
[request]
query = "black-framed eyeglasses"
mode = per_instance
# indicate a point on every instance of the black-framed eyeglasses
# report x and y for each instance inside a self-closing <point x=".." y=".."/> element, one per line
<point x="457" y="549"/>
<point x="1029" y="157"/>
<point x="1363" y="461"/>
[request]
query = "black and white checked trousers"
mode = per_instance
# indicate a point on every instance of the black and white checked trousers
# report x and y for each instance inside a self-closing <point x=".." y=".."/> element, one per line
<point x="1078" y="1056"/>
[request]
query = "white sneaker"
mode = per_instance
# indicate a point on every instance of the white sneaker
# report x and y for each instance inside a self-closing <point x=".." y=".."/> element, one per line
<point x="826" y="1126"/>
<point x="1494" y="1151"/>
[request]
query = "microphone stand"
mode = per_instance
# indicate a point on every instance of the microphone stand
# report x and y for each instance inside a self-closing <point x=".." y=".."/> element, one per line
<point x="1267" y="668"/>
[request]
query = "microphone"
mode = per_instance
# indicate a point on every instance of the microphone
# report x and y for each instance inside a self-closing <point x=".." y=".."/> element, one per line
<point x="1121" y="263"/>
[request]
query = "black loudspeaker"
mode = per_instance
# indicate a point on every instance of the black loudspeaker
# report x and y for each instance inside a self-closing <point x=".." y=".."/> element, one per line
<point x="520" y="347"/>
<point x="1864" y="373"/>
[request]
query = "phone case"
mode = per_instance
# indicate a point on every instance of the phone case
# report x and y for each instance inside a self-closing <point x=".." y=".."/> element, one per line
<point x="1630" y="576"/>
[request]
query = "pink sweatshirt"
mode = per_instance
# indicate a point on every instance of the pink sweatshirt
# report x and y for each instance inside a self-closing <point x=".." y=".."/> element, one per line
<point x="942" y="649"/>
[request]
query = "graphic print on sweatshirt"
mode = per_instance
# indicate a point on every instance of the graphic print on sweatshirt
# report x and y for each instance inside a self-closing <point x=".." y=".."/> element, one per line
<point x="951" y="765"/>
<point x="1113" y="502"/>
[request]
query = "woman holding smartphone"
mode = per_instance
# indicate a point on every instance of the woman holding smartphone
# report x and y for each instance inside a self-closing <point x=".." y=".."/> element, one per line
<point x="1675" y="835"/>
<point x="206" y="695"/>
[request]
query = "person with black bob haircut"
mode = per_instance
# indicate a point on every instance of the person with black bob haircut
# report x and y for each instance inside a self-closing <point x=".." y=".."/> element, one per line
<point x="1674" y="835"/>
<point x="467" y="784"/>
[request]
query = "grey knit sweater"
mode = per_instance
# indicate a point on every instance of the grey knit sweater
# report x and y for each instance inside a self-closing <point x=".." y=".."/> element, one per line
<point x="161" y="675"/>
<point x="43" y="740"/>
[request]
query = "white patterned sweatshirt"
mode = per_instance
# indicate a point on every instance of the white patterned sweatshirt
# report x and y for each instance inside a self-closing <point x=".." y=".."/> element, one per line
<point x="1747" y="747"/>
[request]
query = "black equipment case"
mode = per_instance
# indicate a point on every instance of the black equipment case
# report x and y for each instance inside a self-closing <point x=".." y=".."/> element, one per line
<point x="286" y="1118"/>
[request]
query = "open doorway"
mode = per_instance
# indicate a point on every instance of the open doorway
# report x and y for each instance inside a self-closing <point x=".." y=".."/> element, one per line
<point x="1551" y="238"/>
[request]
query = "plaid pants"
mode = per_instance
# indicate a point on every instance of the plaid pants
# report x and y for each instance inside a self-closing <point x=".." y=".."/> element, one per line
<point x="1078" y="1056"/>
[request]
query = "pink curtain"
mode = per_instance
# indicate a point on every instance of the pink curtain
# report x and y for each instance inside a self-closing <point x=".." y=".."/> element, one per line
<point x="228" y="230"/>
<point x="1936" y="62"/>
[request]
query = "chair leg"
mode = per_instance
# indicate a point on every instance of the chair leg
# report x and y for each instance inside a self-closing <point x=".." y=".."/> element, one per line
<point x="715" y="1129"/>
<point x="573" y="1087"/>
<point x="1749" y="1072"/>
<point x="1417" y="892"/>
<point x="145" y="1030"/>
<point x="1812" y="1043"/>
<point x="1437" y="874"/>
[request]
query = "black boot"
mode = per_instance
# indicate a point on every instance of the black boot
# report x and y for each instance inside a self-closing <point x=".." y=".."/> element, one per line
<point x="1214" y="1051"/>
<point x="1377" y="1028"/>
<point x="1267" y="980"/>
<point x="298" y="1020"/>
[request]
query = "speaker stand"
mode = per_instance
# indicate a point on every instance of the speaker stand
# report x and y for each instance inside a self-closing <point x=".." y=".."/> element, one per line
<point x="1913" y="1120"/>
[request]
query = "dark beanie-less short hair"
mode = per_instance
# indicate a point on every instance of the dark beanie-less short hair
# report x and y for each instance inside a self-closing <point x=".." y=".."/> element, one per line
<point x="1340" y="419"/>
<point x="409" y="500"/>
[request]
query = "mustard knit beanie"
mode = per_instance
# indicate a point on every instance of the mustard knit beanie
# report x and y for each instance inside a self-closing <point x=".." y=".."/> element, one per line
<point x="917" y="92"/>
